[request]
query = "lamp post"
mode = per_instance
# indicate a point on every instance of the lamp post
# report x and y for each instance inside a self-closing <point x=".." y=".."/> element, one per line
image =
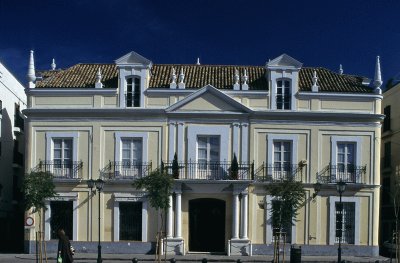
<point x="340" y="187"/>
<point x="99" y="186"/>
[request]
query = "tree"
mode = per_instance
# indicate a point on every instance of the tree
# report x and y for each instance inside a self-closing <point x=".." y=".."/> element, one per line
<point x="234" y="171"/>
<point x="159" y="188"/>
<point x="290" y="196"/>
<point x="175" y="167"/>
<point x="37" y="187"/>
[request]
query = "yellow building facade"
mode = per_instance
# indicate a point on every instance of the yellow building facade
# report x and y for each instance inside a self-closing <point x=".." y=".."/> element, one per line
<point x="120" y="121"/>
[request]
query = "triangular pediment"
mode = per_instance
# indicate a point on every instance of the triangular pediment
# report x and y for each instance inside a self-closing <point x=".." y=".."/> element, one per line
<point x="208" y="99"/>
<point x="132" y="59"/>
<point x="284" y="61"/>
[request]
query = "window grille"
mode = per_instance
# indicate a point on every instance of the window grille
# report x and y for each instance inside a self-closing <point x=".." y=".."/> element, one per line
<point x="130" y="221"/>
<point x="345" y="222"/>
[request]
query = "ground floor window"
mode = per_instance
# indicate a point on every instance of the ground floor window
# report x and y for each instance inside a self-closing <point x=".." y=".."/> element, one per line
<point x="130" y="221"/>
<point x="345" y="222"/>
<point x="61" y="217"/>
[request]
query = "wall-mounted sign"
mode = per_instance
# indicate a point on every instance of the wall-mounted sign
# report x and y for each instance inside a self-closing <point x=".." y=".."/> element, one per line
<point x="29" y="221"/>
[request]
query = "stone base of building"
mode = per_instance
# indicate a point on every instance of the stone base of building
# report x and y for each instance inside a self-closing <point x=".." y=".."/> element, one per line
<point x="177" y="247"/>
<point x="239" y="247"/>
<point x="174" y="246"/>
<point x="320" y="250"/>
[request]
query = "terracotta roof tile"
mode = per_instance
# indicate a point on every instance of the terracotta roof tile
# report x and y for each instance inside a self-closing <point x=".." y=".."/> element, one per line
<point x="197" y="76"/>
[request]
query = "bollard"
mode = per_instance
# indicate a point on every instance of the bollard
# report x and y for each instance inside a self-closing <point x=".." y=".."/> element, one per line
<point x="204" y="260"/>
<point x="172" y="260"/>
<point x="239" y="261"/>
<point x="135" y="260"/>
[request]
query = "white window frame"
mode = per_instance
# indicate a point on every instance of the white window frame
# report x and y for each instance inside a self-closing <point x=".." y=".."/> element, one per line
<point x="332" y="217"/>
<point x="126" y="73"/>
<point x="131" y="135"/>
<point x="278" y="74"/>
<point x="130" y="197"/>
<point x="268" y="221"/>
<point x="208" y="146"/>
<point x="133" y="77"/>
<point x="195" y="131"/>
<point x="50" y="136"/>
<point x="346" y="139"/>
<point x="62" y="197"/>
<point x="292" y="138"/>
<point x="283" y="92"/>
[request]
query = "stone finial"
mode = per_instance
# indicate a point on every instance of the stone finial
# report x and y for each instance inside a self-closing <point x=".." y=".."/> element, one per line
<point x="98" y="83"/>
<point x="172" y="85"/>
<point x="340" y="69"/>
<point x="315" y="86"/>
<point x="245" y="78"/>
<point x="31" y="71"/>
<point x="236" y="78"/>
<point x="181" y="84"/>
<point x="378" y="76"/>
<point x="198" y="61"/>
<point x="53" y="64"/>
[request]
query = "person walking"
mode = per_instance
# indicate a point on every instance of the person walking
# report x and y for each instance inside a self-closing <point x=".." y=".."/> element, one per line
<point x="64" y="247"/>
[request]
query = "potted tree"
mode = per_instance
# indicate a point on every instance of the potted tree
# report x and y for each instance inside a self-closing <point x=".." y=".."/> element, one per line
<point x="234" y="171"/>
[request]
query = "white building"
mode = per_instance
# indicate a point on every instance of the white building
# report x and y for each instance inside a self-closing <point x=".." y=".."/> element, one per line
<point x="12" y="101"/>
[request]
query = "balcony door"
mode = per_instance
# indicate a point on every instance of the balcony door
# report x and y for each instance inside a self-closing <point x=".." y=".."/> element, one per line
<point x="62" y="157"/>
<point x="131" y="157"/>
<point x="345" y="162"/>
<point x="282" y="160"/>
<point x="208" y="157"/>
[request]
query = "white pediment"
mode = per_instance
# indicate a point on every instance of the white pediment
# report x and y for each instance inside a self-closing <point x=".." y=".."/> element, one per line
<point x="133" y="59"/>
<point x="284" y="61"/>
<point x="208" y="99"/>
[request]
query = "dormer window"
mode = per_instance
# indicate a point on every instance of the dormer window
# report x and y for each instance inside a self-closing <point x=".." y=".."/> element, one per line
<point x="283" y="94"/>
<point x="133" y="92"/>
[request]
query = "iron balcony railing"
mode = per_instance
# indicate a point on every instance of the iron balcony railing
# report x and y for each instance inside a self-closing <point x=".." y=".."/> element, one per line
<point x="210" y="171"/>
<point x="61" y="169"/>
<point x="345" y="173"/>
<point x="126" y="170"/>
<point x="278" y="172"/>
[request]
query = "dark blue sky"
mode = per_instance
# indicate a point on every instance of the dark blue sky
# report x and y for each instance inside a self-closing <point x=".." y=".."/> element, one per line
<point x="317" y="33"/>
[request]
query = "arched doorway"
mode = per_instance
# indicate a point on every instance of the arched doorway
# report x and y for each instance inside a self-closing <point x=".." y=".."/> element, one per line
<point x="207" y="225"/>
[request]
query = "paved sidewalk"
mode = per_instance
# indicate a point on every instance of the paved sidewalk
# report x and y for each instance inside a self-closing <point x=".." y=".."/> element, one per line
<point x="111" y="258"/>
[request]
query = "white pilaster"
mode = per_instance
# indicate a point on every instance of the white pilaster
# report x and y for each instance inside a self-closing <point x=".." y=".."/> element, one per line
<point x="180" y="139"/>
<point x="245" y="215"/>
<point x="178" y="214"/>
<point x="235" y="139"/>
<point x="244" y="156"/>
<point x="235" y="216"/>
<point x="169" y="219"/>
<point x="171" y="141"/>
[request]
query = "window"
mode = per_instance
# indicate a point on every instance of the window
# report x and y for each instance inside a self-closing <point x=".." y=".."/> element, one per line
<point x="131" y="157"/>
<point x="208" y="157"/>
<point x="345" y="222"/>
<point x="345" y="162"/>
<point x="130" y="221"/>
<point x="62" y="154"/>
<point x="133" y="92"/>
<point x="283" y="96"/>
<point x="62" y="157"/>
<point x="387" y="157"/>
<point x="282" y="160"/>
<point x="207" y="149"/>
<point x="61" y="217"/>
<point x="386" y="121"/>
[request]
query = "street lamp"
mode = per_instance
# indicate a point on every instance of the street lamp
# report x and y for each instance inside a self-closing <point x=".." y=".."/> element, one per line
<point x="340" y="188"/>
<point x="99" y="186"/>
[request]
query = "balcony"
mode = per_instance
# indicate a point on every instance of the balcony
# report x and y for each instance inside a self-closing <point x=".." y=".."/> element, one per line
<point x="274" y="173"/>
<point x="125" y="170"/>
<point x="211" y="171"/>
<point x="346" y="173"/>
<point x="61" y="170"/>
